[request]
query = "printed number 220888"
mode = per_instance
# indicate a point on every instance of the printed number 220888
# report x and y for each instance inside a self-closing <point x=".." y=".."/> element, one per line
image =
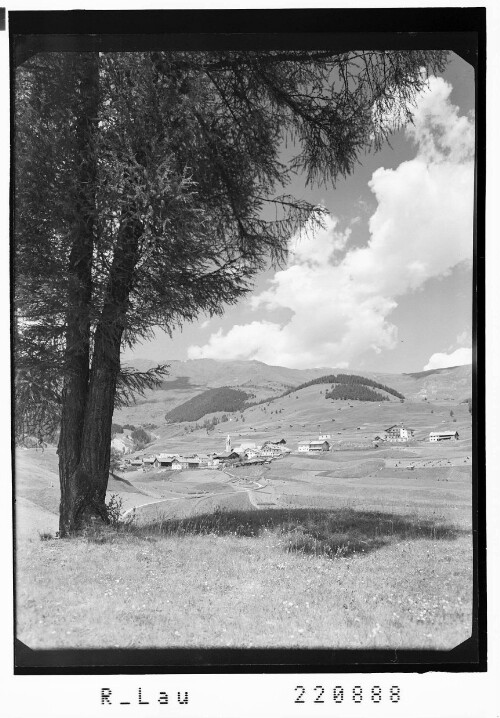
<point x="339" y="694"/>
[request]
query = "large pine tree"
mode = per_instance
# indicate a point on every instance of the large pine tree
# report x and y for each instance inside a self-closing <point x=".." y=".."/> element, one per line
<point x="150" y="187"/>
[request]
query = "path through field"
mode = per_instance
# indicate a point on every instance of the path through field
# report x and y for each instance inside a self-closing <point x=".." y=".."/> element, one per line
<point x="193" y="503"/>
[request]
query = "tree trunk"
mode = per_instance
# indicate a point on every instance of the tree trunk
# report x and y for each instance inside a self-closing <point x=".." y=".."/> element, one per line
<point x="76" y="369"/>
<point x="90" y="479"/>
<point x="91" y="476"/>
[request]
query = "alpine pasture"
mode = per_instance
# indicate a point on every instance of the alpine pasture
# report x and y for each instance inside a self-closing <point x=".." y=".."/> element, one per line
<point x="363" y="546"/>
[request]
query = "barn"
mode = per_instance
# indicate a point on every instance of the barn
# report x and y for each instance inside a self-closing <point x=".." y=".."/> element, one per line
<point x="443" y="436"/>
<point x="164" y="461"/>
<point x="314" y="446"/>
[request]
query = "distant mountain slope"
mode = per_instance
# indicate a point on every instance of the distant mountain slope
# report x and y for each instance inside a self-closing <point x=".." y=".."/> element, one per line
<point x="190" y="378"/>
<point x="187" y="379"/>
<point x="429" y="372"/>
<point x="212" y="372"/>
<point x="436" y="384"/>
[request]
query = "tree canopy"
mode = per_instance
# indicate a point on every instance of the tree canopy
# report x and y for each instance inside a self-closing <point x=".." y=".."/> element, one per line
<point x="150" y="187"/>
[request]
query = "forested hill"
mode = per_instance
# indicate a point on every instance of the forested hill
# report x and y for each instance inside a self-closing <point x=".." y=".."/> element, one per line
<point x="350" y="383"/>
<point x="227" y="399"/>
<point x="355" y="392"/>
<point x="346" y="386"/>
<point x="209" y="402"/>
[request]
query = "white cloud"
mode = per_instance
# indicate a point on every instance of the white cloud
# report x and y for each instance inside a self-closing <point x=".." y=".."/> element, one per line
<point x="464" y="337"/>
<point x="342" y="298"/>
<point x="457" y="358"/>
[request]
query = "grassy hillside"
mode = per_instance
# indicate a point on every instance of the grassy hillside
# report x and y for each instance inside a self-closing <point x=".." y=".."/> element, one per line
<point x="226" y="399"/>
<point x="305" y="414"/>
<point x="191" y="378"/>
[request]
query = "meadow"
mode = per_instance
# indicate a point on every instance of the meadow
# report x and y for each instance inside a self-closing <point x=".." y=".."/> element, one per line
<point x="354" y="549"/>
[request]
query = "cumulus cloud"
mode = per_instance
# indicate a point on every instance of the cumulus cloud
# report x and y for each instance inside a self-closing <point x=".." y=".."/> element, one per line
<point x="341" y="298"/>
<point x="457" y="358"/>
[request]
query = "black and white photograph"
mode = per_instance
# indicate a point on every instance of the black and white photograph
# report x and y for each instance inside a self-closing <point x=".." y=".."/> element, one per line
<point x="246" y="340"/>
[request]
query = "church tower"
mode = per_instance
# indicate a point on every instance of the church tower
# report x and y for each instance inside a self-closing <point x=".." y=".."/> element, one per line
<point x="228" y="444"/>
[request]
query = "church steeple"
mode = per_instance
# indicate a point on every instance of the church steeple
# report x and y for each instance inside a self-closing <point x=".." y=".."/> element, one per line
<point x="228" y="444"/>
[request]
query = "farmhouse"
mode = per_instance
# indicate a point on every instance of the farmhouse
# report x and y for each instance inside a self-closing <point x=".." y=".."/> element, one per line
<point x="443" y="436"/>
<point x="251" y="453"/>
<point x="314" y="446"/>
<point x="204" y="459"/>
<point x="164" y="460"/>
<point x="189" y="462"/>
<point x="398" y="433"/>
<point x="227" y="456"/>
<point x="323" y="437"/>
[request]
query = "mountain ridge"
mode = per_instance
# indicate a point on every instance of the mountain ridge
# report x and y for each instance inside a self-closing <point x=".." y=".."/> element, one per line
<point x="194" y="376"/>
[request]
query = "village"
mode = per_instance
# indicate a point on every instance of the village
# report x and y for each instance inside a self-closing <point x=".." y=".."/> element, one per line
<point x="248" y="453"/>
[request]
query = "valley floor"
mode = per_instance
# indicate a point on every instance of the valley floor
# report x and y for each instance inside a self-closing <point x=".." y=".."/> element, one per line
<point x="348" y="550"/>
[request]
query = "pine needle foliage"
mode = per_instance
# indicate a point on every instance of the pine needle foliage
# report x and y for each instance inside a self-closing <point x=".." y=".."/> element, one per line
<point x="150" y="187"/>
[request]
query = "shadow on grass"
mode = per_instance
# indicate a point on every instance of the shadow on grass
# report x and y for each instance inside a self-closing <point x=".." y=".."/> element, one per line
<point x="320" y="532"/>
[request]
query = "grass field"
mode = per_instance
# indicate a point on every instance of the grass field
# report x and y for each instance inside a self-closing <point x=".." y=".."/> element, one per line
<point x="348" y="550"/>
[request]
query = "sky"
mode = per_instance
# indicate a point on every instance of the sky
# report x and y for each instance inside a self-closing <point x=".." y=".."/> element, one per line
<point x="387" y="285"/>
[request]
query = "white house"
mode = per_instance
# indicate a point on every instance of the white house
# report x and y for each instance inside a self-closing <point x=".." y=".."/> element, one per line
<point x="398" y="433"/>
<point x="324" y="437"/>
<point x="443" y="436"/>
